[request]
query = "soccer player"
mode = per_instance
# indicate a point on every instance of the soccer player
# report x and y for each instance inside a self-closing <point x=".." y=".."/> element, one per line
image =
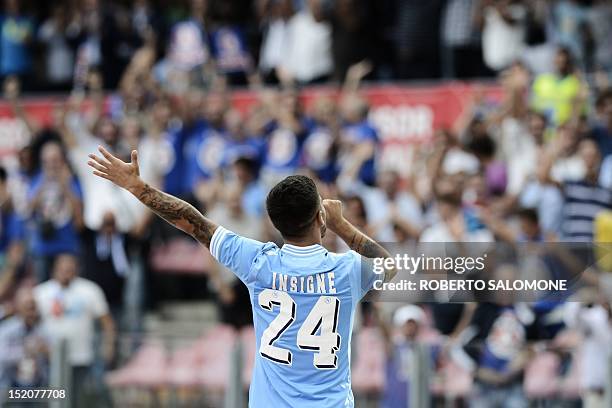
<point x="303" y="297"/>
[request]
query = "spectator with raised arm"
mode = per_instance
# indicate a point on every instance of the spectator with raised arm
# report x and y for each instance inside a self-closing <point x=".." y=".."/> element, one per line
<point x="56" y="209"/>
<point x="358" y="142"/>
<point x="81" y="134"/>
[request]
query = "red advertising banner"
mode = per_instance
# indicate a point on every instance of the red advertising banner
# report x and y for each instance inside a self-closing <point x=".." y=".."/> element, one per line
<point x="404" y="115"/>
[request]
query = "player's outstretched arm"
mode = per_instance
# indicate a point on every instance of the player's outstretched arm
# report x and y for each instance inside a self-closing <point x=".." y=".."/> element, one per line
<point x="355" y="239"/>
<point x="175" y="211"/>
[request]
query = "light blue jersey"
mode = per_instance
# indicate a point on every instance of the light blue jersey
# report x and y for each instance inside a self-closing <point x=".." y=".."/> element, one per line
<point x="303" y="301"/>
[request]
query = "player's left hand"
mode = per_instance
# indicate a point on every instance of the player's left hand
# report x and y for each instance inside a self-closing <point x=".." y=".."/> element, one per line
<point x="126" y="175"/>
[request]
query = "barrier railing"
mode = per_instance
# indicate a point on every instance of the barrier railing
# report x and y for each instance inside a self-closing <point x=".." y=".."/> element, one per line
<point x="60" y="375"/>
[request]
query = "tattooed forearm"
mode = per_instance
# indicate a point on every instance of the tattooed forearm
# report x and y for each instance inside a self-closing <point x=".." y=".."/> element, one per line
<point x="178" y="213"/>
<point x="364" y="246"/>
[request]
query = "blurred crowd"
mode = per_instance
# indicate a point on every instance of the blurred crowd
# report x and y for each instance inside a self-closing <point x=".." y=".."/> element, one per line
<point x="53" y="45"/>
<point x="157" y="77"/>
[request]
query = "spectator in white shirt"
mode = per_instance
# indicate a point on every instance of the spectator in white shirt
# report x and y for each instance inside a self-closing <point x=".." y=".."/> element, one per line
<point x="100" y="197"/>
<point x="70" y="306"/>
<point x="308" y="52"/>
<point x="503" y="23"/>
<point x="276" y="16"/>
<point x="59" y="54"/>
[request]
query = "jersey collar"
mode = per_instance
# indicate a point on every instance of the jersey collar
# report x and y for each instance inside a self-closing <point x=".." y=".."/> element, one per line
<point x="309" y="250"/>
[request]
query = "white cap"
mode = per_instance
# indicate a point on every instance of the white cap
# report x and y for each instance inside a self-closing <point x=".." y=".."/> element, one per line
<point x="407" y="313"/>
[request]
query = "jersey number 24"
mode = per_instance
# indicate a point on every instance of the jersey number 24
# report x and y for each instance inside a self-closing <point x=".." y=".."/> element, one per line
<point x="323" y="317"/>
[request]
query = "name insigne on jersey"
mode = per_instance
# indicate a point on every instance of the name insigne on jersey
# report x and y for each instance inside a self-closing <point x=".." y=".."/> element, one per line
<point x="318" y="283"/>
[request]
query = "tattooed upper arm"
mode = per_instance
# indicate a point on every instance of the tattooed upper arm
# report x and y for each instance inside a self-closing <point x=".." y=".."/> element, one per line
<point x="178" y="213"/>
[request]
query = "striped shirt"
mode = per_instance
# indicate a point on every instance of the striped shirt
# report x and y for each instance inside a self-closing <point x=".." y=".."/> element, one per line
<point x="583" y="202"/>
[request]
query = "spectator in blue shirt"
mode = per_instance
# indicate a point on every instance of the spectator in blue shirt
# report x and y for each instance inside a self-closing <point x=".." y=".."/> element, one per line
<point x="286" y="133"/>
<point x="240" y="142"/>
<point x="358" y="141"/>
<point x="320" y="151"/>
<point x="181" y="133"/>
<point x="204" y="150"/>
<point x="16" y="31"/>
<point x="11" y="238"/>
<point x="56" y="208"/>
<point x="231" y="55"/>
<point x="167" y="142"/>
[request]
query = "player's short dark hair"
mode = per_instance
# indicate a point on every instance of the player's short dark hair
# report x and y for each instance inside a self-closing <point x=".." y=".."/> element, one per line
<point x="293" y="205"/>
<point x="3" y="174"/>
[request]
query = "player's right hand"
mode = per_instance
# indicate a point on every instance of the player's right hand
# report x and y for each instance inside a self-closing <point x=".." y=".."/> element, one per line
<point x="126" y="175"/>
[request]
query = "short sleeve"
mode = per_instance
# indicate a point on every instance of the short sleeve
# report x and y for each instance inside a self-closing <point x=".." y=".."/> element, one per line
<point x="99" y="306"/>
<point x="235" y="252"/>
<point x="363" y="275"/>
